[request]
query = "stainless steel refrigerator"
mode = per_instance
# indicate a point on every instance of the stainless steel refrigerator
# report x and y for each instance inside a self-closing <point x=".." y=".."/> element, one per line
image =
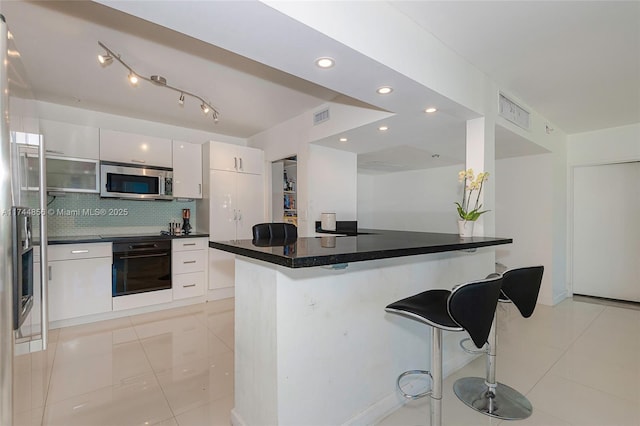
<point x="23" y="298"/>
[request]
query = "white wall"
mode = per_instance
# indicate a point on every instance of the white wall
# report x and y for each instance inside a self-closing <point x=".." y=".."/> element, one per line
<point x="604" y="146"/>
<point x="332" y="183"/>
<point x="416" y="200"/>
<point x="524" y="212"/>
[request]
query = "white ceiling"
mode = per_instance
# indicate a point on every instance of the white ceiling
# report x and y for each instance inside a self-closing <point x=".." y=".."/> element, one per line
<point x="565" y="59"/>
<point x="577" y="63"/>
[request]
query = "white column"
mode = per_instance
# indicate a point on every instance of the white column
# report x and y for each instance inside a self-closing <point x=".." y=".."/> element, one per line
<point x="481" y="148"/>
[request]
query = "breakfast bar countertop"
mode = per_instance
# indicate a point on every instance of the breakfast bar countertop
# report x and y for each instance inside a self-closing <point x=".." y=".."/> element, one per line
<point x="368" y="244"/>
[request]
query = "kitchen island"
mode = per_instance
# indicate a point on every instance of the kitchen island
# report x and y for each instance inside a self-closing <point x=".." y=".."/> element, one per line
<point x="313" y="344"/>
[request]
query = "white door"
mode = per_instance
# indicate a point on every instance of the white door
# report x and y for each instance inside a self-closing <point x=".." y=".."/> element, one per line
<point x="606" y="231"/>
<point x="187" y="170"/>
<point x="223" y="205"/>
<point x="251" y="204"/>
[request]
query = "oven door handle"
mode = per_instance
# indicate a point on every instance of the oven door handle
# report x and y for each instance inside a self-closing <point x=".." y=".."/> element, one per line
<point x="138" y="256"/>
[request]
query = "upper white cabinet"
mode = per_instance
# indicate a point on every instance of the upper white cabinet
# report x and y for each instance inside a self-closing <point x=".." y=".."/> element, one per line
<point x="242" y="159"/>
<point x="187" y="170"/>
<point x="130" y="148"/>
<point x="70" y="140"/>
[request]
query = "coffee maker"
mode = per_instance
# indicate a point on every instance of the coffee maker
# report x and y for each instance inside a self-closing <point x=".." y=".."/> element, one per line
<point x="186" y="226"/>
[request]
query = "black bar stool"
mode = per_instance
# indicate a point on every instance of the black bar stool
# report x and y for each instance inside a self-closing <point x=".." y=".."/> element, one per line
<point x="469" y="307"/>
<point x="520" y="286"/>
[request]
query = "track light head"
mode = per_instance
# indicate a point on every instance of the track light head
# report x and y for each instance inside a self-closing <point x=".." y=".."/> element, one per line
<point x="133" y="79"/>
<point x="105" y="60"/>
<point x="205" y="108"/>
<point x="181" y="99"/>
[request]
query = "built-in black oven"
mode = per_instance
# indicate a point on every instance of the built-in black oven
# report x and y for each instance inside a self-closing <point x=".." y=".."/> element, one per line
<point x="139" y="267"/>
<point x="22" y="259"/>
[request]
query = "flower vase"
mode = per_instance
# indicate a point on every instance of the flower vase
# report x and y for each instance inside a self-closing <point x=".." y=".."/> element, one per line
<point x="465" y="228"/>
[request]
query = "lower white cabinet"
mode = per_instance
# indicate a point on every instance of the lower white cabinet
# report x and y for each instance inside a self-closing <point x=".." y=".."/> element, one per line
<point x="189" y="267"/>
<point x="79" y="280"/>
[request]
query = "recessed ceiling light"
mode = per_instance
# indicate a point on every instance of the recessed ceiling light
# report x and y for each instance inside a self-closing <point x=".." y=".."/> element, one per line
<point x="430" y="110"/>
<point x="325" y="62"/>
<point x="384" y="90"/>
<point x="383" y="128"/>
<point x="343" y="139"/>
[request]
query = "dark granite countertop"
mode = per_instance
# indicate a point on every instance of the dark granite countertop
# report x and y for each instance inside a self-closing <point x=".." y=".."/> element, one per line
<point x="80" y="239"/>
<point x="369" y="244"/>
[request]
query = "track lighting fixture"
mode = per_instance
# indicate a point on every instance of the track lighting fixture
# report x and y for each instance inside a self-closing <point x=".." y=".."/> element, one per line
<point x="134" y="78"/>
<point x="105" y="60"/>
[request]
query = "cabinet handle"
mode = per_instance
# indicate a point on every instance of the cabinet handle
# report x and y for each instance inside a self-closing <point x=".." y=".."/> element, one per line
<point x="188" y="285"/>
<point x="235" y="163"/>
<point x="138" y="161"/>
<point x="200" y="189"/>
<point x="53" y="151"/>
<point x="188" y="244"/>
<point x="239" y="215"/>
<point x="189" y="261"/>
<point x="241" y="168"/>
<point x="79" y="251"/>
<point x="49" y="273"/>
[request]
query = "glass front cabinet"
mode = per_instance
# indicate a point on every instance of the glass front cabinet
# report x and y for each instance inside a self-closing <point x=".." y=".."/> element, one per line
<point x="67" y="174"/>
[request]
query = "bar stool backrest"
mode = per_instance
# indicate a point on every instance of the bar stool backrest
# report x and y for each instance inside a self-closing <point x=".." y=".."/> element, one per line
<point x="276" y="233"/>
<point x="522" y="286"/>
<point x="473" y="306"/>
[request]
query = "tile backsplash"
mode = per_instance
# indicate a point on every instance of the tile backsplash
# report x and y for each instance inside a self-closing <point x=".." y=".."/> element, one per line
<point x="88" y="214"/>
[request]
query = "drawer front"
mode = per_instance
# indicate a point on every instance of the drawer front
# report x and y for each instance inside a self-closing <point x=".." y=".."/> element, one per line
<point x="188" y="261"/>
<point x="188" y="285"/>
<point x="78" y="251"/>
<point x="184" y="244"/>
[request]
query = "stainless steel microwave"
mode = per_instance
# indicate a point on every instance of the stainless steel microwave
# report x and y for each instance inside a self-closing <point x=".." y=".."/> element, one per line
<point x="135" y="182"/>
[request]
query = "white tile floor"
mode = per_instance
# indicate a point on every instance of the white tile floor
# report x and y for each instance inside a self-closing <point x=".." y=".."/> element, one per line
<point x="577" y="362"/>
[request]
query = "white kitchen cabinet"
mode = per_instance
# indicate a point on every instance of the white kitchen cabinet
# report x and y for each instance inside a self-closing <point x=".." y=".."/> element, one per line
<point x="236" y="158"/>
<point x="189" y="267"/>
<point x="70" y="140"/>
<point x="187" y="170"/>
<point x="129" y="148"/>
<point x="79" y="280"/>
<point x="236" y="204"/>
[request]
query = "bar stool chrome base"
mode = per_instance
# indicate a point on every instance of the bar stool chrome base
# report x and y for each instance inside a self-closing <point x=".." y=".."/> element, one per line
<point x="504" y="403"/>
<point x="411" y="373"/>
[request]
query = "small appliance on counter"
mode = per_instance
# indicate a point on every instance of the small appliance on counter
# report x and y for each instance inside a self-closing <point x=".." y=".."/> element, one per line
<point x="186" y="217"/>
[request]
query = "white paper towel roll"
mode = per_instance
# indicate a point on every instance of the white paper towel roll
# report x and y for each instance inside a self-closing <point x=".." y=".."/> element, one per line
<point x="328" y="221"/>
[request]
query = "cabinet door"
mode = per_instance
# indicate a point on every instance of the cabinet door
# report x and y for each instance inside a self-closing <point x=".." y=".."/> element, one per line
<point x="250" y="204"/>
<point x="250" y="160"/>
<point x="130" y="148"/>
<point x="223" y="205"/>
<point x="79" y="287"/>
<point x="187" y="170"/>
<point x="70" y="140"/>
<point x="223" y="156"/>
<point x="72" y="175"/>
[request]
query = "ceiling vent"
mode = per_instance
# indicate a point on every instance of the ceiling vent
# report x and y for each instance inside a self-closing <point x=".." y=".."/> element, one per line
<point x="320" y="116"/>
<point x="513" y="112"/>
